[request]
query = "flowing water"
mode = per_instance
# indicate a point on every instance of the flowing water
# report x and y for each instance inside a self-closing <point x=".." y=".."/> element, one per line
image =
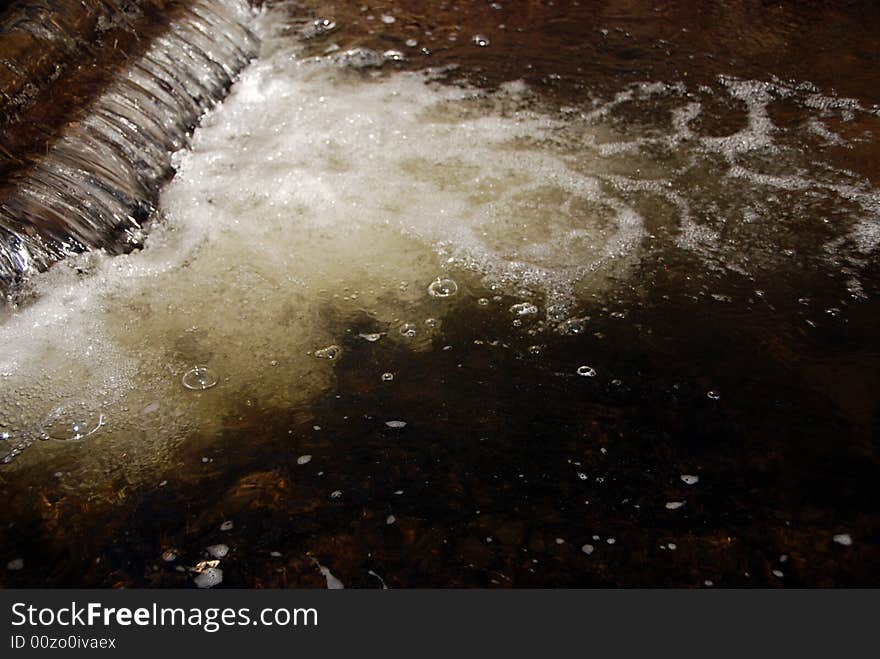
<point x="455" y="294"/>
<point x="95" y="186"/>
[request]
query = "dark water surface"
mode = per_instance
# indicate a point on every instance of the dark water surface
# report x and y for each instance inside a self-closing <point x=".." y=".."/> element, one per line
<point x="753" y="366"/>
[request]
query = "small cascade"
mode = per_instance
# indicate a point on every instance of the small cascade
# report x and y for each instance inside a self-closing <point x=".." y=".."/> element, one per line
<point x="97" y="184"/>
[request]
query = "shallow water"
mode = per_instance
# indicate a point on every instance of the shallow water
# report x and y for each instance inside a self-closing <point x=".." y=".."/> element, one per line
<point x="655" y="365"/>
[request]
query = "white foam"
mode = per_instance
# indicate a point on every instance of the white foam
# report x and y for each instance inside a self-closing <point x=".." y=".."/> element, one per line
<point x="316" y="191"/>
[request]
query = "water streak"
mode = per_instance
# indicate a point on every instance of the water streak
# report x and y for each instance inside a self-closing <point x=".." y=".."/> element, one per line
<point x="96" y="187"/>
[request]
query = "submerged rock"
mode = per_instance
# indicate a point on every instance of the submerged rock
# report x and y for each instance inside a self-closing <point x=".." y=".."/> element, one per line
<point x="844" y="539"/>
<point x="217" y="551"/>
<point x="209" y="577"/>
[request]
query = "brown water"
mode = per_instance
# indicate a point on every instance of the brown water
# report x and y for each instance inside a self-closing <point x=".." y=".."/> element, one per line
<point x="732" y="328"/>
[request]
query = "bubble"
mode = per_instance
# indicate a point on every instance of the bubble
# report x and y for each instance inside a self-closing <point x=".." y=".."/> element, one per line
<point x="483" y="302"/>
<point x="556" y="312"/>
<point x="336" y="494"/>
<point x="372" y="338"/>
<point x="524" y="309"/>
<point x="713" y="394"/>
<point x="304" y="460"/>
<point x="586" y="371"/>
<point x="481" y="41"/>
<point x="431" y="322"/>
<point x="573" y="326"/>
<point x="674" y="505"/>
<point x="535" y="350"/>
<point x="393" y="56"/>
<point x="689" y="479"/>
<point x="71" y="424"/>
<point x="199" y="378"/>
<point x="387" y="377"/>
<point x="360" y="58"/>
<point x="330" y="352"/>
<point x="390" y="519"/>
<point x="412" y="43"/>
<point x="15" y="564"/>
<point x="388" y="19"/>
<point x="442" y="287"/>
<point x="318" y="27"/>
<point x="587" y="549"/>
<point x="408" y="330"/>
<point x="396" y="424"/>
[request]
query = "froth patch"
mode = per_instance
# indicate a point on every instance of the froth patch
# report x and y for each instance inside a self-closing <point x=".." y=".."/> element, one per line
<point x="317" y="203"/>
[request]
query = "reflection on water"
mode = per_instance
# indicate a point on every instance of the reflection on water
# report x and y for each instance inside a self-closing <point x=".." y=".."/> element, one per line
<point x="592" y="315"/>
